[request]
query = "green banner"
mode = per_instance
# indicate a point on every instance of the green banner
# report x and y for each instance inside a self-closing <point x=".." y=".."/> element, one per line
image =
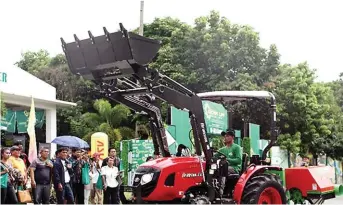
<point x="8" y="121"/>
<point x="238" y="137"/>
<point x="216" y="117"/>
<point x="40" y="118"/>
<point x="140" y="150"/>
<point x="254" y="134"/>
<point x="23" y="120"/>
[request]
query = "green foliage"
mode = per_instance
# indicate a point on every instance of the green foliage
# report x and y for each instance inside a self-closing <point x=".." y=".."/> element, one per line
<point x="217" y="142"/>
<point x="106" y="119"/>
<point x="306" y="109"/>
<point x="289" y="142"/>
<point x="246" y="145"/>
<point x="2" y="105"/>
<point x="124" y="153"/>
<point x="212" y="54"/>
<point x="34" y="62"/>
<point x="216" y="54"/>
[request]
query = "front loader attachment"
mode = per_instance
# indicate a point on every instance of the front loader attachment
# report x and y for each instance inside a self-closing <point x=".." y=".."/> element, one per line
<point x="123" y="57"/>
<point x="109" y="56"/>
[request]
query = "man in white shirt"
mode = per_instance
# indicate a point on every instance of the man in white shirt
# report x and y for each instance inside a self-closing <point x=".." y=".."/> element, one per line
<point x="109" y="175"/>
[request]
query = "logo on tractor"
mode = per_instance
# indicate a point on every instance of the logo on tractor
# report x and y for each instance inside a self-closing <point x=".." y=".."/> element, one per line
<point x="191" y="175"/>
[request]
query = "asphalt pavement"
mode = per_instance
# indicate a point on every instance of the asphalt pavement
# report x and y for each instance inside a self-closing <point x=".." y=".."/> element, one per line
<point x="337" y="200"/>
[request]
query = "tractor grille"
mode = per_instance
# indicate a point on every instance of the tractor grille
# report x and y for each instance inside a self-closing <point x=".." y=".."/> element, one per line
<point x="147" y="188"/>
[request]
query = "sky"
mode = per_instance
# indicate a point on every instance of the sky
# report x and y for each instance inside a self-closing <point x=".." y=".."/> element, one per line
<point x="302" y="30"/>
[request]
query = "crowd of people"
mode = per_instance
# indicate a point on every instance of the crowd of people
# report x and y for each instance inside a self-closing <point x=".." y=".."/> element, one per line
<point x="72" y="177"/>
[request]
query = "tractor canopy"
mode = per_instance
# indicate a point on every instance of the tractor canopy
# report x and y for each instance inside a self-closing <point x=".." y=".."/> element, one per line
<point x="109" y="56"/>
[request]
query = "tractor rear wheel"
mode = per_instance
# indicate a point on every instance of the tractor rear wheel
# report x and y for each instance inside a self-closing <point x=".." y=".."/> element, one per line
<point x="264" y="189"/>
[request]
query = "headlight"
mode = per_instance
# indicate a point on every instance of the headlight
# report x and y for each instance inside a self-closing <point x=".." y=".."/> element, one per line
<point x="146" y="178"/>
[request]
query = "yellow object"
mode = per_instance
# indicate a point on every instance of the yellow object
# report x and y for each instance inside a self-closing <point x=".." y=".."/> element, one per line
<point x="18" y="163"/>
<point x="99" y="144"/>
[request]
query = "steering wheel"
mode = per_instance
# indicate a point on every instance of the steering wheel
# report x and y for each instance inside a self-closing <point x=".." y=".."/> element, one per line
<point x="221" y="155"/>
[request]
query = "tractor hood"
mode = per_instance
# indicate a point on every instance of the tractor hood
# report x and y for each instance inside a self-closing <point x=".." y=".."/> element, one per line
<point x="163" y="163"/>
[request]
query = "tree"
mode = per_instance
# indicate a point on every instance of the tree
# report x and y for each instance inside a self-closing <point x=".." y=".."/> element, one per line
<point x="305" y="108"/>
<point x="107" y="119"/>
<point x="2" y="105"/>
<point x="215" y="54"/>
<point x="290" y="143"/>
<point x="33" y="62"/>
<point x="69" y="87"/>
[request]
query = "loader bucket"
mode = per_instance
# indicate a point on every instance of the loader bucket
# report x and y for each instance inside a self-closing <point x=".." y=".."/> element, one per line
<point x="109" y="56"/>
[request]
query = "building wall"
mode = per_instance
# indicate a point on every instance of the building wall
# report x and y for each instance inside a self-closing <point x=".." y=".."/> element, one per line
<point x="17" y="81"/>
<point x="17" y="85"/>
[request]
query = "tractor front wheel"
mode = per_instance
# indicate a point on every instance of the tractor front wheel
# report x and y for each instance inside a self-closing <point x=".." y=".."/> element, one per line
<point x="264" y="189"/>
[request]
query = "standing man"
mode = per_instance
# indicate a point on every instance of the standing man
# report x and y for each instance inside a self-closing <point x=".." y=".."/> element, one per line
<point x="78" y="187"/>
<point x="41" y="173"/>
<point x="112" y="153"/>
<point x="61" y="172"/>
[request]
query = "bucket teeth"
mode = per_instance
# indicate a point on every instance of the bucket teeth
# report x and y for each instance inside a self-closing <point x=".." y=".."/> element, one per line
<point x="112" y="55"/>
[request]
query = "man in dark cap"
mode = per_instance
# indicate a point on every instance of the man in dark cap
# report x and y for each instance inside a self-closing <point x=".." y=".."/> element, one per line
<point x="232" y="152"/>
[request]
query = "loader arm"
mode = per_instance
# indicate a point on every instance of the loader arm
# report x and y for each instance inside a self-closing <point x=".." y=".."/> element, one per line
<point x="139" y="105"/>
<point x="124" y="54"/>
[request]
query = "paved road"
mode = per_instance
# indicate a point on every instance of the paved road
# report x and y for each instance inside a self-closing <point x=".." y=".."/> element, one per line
<point x="337" y="200"/>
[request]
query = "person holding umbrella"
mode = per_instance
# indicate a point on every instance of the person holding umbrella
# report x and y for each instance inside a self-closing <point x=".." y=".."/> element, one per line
<point x="77" y="144"/>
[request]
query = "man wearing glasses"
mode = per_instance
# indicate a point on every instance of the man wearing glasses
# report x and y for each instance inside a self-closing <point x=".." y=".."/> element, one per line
<point x="62" y="171"/>
<point x="41" y="173"/>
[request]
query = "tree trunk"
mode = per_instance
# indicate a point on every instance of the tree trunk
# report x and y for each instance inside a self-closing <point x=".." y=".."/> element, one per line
<point x="289" y="158"/>
<point x="315" y="160"/>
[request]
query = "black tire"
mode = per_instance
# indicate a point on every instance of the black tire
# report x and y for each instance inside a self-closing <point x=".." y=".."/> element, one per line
<point x="257" y="184"/>
<point x="199" y="200"/>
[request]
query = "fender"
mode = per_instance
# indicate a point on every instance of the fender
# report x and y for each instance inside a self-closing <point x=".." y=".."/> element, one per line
<point x="244" y="178"/>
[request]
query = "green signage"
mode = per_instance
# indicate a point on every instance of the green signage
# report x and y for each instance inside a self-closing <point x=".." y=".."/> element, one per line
<point x="8" y="121"/>
<point x="216" y="117"/>
<point x="23" y="120"/>
<point x="254" y="134"/>
<point x="3" y="77"/>
<point x="140" y="150"/>
<point x="19" y="119"/>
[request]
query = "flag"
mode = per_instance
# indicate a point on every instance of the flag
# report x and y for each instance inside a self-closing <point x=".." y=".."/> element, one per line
<point x="32" y="133"/>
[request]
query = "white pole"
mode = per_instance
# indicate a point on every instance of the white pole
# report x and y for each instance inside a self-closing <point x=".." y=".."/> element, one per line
<point x="141" y="19"/>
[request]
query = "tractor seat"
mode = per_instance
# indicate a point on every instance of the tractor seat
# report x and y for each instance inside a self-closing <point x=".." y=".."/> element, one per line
<point x="233" y="176"/>
<point x="244" y="166"/>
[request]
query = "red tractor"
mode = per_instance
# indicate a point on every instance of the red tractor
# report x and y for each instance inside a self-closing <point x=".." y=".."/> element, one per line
<point x="117" y="64"/>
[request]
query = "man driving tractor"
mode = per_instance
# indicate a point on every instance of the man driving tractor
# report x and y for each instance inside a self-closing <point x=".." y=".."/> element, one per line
<point x="232" y="152"/>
